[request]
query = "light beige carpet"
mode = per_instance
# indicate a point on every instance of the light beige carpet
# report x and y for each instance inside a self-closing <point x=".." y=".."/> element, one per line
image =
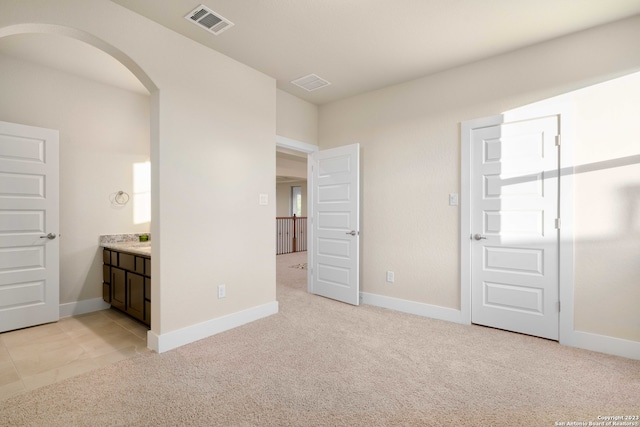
<point x="323" y="363"/>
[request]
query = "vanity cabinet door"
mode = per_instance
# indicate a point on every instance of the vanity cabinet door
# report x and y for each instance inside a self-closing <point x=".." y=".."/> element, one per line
<point x="135" y="295"/>
<point x="106" y="274"/>
<point x="106" y="293"/>
<point x="147" y="312"/>
<point x="106" y="281"/>
<point x="118" y="288"/>
<point x="147" y="300"/>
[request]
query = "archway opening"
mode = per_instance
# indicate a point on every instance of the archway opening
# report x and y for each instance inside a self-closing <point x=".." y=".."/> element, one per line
<point x="105" y="107"/>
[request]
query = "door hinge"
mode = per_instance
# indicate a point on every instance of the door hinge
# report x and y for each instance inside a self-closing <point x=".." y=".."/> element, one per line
<point x="559" y="307"/>
<point x="558" y="223"/>
<point x="558" y="140"/>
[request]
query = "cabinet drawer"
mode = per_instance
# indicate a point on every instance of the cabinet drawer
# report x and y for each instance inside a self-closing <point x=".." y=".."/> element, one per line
<point x="106" y="256"/>
<point x="131" y="263"/>
<point x="127" y="262"/>
<point x="139" y="266"/>
<point x="147" y="267"/>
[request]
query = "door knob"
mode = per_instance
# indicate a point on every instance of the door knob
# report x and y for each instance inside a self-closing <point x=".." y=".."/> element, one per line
<point x="49" y="236"/>
<point x="352" y="232"/>
<point x="479" y="236"/>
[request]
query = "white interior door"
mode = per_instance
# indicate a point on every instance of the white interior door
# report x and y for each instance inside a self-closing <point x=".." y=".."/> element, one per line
<point x="514" y="255"/>
<point x="334" y="230"/>
<point x="29" y="248"/>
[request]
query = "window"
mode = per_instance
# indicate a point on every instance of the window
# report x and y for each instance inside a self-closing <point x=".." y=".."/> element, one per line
<point x="296" y="201"/>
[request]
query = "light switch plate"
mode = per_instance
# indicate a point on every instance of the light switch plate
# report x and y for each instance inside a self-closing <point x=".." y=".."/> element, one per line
<point x="264" y="199"/>
<point x="453" y="199"/>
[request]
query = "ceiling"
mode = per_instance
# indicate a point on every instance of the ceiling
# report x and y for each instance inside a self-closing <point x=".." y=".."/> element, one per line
<point x="361" y="45"/>
<point x="357" y="45"/>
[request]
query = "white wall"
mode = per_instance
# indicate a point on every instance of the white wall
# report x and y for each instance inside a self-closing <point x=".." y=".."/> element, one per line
<point x="410" y="147"/>
<point x="291" y="166"/>
<point x="212" y="118"/>
<point x="296" y="118"/>
<point x="607" y="208"/>
<point x="104" y="131"/>
<point x="283" y="194"/>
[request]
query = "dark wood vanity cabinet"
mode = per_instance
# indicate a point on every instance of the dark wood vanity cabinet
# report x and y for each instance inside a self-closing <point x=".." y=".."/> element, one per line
<point x="127" y="283"/>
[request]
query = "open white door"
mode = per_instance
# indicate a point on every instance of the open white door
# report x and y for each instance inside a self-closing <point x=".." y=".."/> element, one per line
<point x="29" y="248"/>
<point x="514" y="235"/>
<point x="334" y="240"/>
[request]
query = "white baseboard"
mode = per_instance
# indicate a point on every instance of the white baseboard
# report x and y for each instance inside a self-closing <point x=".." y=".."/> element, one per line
<point x="412" y="307"/>
<point x="82" y="307"/>
<point x="584" y="340"/>
<point x="603" y="344"/>
<point x="175" y="339"/>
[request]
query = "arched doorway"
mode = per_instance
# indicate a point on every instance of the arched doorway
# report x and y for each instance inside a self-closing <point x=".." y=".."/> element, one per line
<point x="86" y="156"/>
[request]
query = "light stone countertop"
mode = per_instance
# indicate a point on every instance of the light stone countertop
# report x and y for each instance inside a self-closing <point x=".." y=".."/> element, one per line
<point x="138" y="248"/>
<point x="126" y="243"/>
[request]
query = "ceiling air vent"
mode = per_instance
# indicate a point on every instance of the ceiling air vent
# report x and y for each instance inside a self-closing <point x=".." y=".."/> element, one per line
<point x="209" y="20"/>
<point x="311" y="82"/>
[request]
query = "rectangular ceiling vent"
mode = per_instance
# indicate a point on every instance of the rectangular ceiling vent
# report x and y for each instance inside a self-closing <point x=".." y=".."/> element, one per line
<point x="311" y="82"/>
<point x="209" y="20"/>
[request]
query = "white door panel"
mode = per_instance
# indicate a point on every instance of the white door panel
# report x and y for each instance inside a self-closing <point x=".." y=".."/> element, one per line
<point x="334" y="193"/>
<point x="23" y="220"/>
<point x="29" y="261"/>
<point x="515" y="205"/>
<point x="513" y="260"/>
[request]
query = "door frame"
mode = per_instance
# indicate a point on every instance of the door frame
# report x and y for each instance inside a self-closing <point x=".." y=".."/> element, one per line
<point x="303" y="147"/>
<point x="559" y="107"/>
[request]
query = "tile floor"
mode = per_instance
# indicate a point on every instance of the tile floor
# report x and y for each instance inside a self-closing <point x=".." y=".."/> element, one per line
<point x="34" y="357"/>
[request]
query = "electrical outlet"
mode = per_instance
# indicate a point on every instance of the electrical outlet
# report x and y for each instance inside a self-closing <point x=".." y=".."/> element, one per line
<point x="222" y="291"/>
<point x="390" y="276"/>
